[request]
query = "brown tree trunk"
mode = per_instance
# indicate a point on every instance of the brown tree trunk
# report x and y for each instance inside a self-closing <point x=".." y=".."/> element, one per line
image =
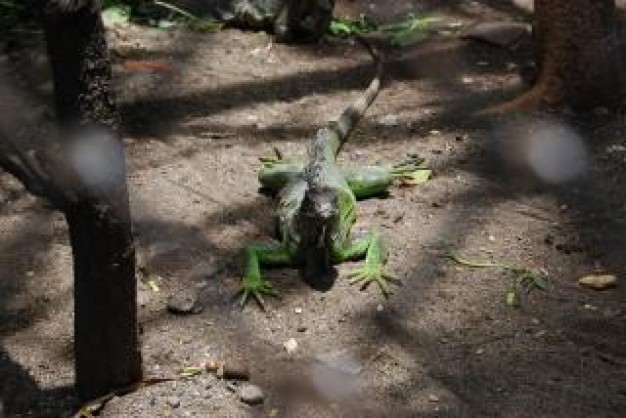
<point x="105" y="322"/>
<point x="577" y="54"/>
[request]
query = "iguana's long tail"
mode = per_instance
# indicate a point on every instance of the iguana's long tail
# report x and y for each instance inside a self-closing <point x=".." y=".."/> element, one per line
<point x="349" y="118"/>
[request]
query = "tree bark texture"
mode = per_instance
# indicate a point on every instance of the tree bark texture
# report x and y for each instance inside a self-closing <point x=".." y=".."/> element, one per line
<point x="107" y="355"/>
<point x="577" y="53"/>
<point x="79" y="57"/>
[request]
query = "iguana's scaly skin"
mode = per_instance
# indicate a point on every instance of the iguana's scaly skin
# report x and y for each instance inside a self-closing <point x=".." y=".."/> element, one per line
<point x="317" y="208"/>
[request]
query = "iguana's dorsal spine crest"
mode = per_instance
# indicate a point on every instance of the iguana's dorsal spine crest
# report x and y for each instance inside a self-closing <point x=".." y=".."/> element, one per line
<point x="349" y="118"/>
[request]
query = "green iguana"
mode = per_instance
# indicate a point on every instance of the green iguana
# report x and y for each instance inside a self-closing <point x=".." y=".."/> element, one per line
<point x="317" y="208"/>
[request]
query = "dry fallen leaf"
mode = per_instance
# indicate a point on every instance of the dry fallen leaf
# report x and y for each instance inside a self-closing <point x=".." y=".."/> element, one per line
<point x="598" y="281"/>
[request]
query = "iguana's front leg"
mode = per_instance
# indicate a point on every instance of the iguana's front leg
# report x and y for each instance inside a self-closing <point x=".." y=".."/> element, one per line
<point x="276" y="172"/>
<point x="252" y="283"/>
<point x="364" y="181"/>
<point x="373" y="250"/>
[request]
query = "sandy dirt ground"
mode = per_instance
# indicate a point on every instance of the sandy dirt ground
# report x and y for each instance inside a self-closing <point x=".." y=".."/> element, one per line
<point x="445" y="344"/>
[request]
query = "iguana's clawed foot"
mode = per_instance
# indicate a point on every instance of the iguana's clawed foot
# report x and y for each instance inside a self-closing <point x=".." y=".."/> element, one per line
<point x="367" y="275"/>
<point x="256" y="289"/>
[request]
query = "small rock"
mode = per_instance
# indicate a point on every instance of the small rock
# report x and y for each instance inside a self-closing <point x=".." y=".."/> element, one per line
<point x="598" y="281"/>
<point x="291" y="345"/>
<point x="301" y="328"/>
<point x="534" y="321"/>
<point x="236" y="369"/>
<point x="389" y="120"/>
<point x="380" y="308"/>
<point x="298" y="310"/>
<point x="433" y="398"/>
<point x="251" y="394"/>
<point x="480" y="351"/>
<point x="498" y="33"/>
<point x="212" y="366"/>
<point x="173" y="401"/>
<point x="183" y="304"/>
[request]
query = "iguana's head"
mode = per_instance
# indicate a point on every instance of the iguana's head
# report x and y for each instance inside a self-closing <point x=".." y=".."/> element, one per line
<point x="318" y="219"/>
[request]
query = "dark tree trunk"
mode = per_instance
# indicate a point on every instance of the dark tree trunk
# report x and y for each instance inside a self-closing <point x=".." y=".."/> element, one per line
<point x="106" y="343"/>
<point x="577" y="53"/>
<point x="106" y="350"/>
<point x="80" y="62"/>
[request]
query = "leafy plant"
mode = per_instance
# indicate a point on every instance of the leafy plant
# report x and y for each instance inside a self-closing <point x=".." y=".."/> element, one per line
<point x="403" y="33"/>
<point x="118" y="14"/>
<point x="409" y="31"/>
<point x="157" y="13"/>
<point x="344" y="27"/>
<point x="522" y="280"/>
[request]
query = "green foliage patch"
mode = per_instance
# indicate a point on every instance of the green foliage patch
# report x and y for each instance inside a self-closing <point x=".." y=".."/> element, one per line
<point x="158" y="14"/>
<point x="522" y="280"/>
<point x="15" y="14"/>
<point x="412" y="29"/>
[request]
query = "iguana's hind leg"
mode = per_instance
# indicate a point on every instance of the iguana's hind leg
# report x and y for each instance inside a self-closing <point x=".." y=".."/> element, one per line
<point x="373" y="250"/>
<point x="252" y="283"/>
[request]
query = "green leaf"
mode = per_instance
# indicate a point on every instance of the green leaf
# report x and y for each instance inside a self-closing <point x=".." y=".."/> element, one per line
<point x="153" y="285"/>
<point x="409" y="31"/>
<point x="339" y="28"/>
<point x="190" y="372"/>
<point x="420" y="176"/>
<point x="531" y="280"/>
<point x="116" y="15"/>
<point x="512" y="295"/>
<point x="346" y="27"/>
<point x="539" y="282"/>
<point x="472" y="263"/>
<point x="512" y="298"/>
